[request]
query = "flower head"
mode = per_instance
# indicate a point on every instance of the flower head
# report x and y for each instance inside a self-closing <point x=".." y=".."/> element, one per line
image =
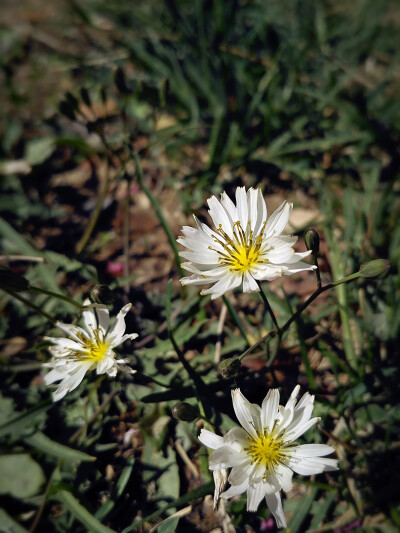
<point x="263" y="453"/>
<point x="244" y="248"/>
<point x="87" y="349"/>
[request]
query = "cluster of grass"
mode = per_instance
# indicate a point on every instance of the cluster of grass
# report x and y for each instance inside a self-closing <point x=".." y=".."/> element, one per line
<point x="296" y="97"/>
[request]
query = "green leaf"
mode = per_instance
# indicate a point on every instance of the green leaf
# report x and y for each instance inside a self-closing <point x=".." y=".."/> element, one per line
<point x="80" y="513"/>
<point x="302" y="510"/>
<point x="168" y="525"/>
<point x="38" y="150"/>
<point x="20" y="476"/>
<point x="24" y="422"/>
<point x="41" y="442"/>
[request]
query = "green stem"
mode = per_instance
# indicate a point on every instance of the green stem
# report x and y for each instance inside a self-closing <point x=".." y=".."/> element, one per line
<point x="55" y="295"/>
<point x="268" y="307"/>
<point x="317" y="271"/>
<point x="296" y="315"/>
<point x="207" y="423"/>
<point x="192" y="373"/>
<point x="81" y="245"/>
<point x="33" y="306"/>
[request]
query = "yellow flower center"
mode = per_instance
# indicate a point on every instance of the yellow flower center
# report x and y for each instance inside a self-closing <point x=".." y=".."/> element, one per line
<point x="94" y="350"/>
<point x="266" y="450"/>
<point x="243" y="251"/>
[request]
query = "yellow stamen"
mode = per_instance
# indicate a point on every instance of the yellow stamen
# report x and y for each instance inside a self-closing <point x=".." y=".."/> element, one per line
<point x="93" y="350"/>
<point x="243" y="251"/>
<point x="267" y="450"/>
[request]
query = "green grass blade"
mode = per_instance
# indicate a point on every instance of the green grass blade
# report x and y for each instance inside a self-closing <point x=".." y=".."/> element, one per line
<point x="41" y="442"/>
<point x="24" y="420"/>
<point x="80" y="513"/>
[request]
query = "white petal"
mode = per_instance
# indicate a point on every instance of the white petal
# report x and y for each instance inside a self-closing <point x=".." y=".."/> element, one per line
<point x="128" y="336"/>
<point x="312" y="465"/>
<point x="258" y="210"/>
<point x="278" y="220"/>
<point x="247" y="414"/>
<point x="89" y="318"/>
<point x="53" y="375"/>
<point x="105" y="365"/>
<point x="298" y="267"/>
<point x="249" y="283"/>
<point x="235" y="490"/>
<point x="227" y="283"/>
<point x="229" y="207"/>
<point x="73" y="331"/>
<point x="208" y="257"/>
<point x="219" y="216"/>
<point x="238" y="438"/>
<point x="269" y="409"/>
<point x="284" y="475"/>
<point x="241" y="206"/>
<point x="71" y="382"/>
<point x="255" y="493"/>
<point x="226" y="457"/>
<point x="271" y="483"/>
<point x="103" y="317"/>
<point x="239" y="474"/>
<point x="293" y="432"/>
<point x="117" y="330"/>
<point x="211" y="440"/>
<point x="288" y="410"/>
<point x="313" y="450"/>
<point x="67" y="345"/>
<point x="275" y="506"/>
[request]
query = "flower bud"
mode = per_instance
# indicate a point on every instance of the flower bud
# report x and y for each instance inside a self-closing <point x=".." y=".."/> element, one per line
<point x="378" y="268"/>
<point x="101" y="294"/>
<point x="228" y="368"/>
<point x="11" y="281"/>
<point x="185" y="411"/>
<point x="311" y="239"/>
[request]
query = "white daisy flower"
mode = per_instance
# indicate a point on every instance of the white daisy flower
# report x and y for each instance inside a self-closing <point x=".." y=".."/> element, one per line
<point x="87" y="349"/>
<point x="263" y="455"/>
<point x="245" y="246"/>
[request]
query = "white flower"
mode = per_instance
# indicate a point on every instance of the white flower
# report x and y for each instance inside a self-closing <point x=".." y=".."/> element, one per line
<point x="87" y="349"/>
<point x="245" y="246"/>
<point x="263" y="455"/>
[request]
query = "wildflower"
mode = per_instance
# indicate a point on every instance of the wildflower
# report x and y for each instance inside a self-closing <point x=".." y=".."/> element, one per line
<point x="263" y="455"/>
<point x="244" y="248"/>
<point x="87" y="349"/>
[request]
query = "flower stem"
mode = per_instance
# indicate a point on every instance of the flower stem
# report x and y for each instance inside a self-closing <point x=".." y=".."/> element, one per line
<point x="268" y="307"/>
<point x="55" y="295"/>
<point x="294" y="317"/>
<point x="192" y="373"/>
<point x="317" y="271"/>
<point x="32" y="306"/>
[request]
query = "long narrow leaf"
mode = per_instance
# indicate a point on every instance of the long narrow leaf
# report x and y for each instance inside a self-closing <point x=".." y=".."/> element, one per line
<point x="41" y="442"/>
<point x="80" y="513"/>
